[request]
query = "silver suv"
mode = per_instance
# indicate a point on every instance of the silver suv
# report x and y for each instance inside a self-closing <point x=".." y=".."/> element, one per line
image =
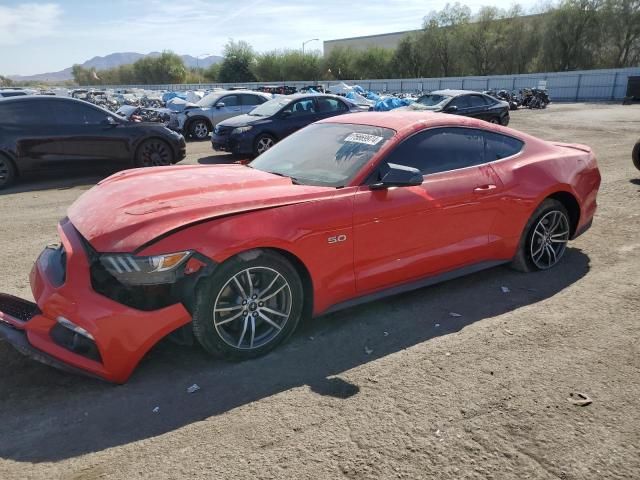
<point x="198" y="120"/>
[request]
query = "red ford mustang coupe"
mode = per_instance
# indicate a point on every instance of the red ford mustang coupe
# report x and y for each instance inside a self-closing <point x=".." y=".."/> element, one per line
<point x="346" y="210"/>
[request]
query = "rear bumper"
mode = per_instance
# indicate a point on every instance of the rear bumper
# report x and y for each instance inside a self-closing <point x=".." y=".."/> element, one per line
<point x="120" y="335"/>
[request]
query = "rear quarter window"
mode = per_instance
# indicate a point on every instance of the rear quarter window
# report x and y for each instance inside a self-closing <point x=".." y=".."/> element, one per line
<point x="499" y="146"/>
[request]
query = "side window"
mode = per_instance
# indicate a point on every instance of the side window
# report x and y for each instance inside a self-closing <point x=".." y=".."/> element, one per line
<point x="461" y="102"/>
<point x="26" y="113"/>
<point x="71" y="113"/>
<point x="477" y="101"/>
<point x="330" y="105"/>
<point x="440" y="150"/>
<point x="251" y="100"/>
<point x="500" y="146"/>
<point x="301" y="107"/>
<point x="230" y="101"/>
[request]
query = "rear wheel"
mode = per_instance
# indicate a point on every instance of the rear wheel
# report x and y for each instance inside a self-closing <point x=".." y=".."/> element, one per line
<point x="495" y="120"/>
<point x="636" y="155"/>
<point x="263" y="143"/>
<point x="250" y="305"/>
<point x="545" y="238"/>
<point x="199" y="129"/>
<point x="7" y="172"/>
<point x="154" y="153"/>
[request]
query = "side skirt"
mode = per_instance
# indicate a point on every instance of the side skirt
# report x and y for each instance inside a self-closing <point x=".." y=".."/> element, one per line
<point x="414" y="285"/>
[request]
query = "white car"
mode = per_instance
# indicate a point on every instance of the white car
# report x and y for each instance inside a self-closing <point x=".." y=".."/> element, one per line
<point x="198" y="120"/>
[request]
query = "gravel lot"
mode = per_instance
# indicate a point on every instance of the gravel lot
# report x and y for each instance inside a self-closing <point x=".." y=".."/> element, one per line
<point x="394" y="389"/>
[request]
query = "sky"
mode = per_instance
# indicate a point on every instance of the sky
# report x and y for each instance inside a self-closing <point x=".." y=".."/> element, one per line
<point x="46" y="36"/>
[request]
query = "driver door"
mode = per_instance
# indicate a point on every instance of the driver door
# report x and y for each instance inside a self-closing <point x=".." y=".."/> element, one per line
<point x="297" y="115"/>
<point x="230" y="109"/>
<point x="406" y="233"/>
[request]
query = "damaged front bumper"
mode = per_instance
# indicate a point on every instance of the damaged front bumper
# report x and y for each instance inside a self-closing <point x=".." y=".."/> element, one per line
<point x="74" y="328"/>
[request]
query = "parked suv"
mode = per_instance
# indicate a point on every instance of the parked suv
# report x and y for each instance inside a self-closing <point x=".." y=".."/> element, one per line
<point x="198" y="120"/>
<point x="44" y="133"/>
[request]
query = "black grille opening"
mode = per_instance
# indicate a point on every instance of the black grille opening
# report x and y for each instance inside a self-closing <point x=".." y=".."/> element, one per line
<point x="18" y="308"/>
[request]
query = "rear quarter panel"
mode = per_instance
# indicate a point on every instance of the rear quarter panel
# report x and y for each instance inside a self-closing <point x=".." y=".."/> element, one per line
<point x="541" y="170"/>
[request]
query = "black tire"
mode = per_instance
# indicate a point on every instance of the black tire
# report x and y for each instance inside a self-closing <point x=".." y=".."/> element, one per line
<point x="8" y="173"/>
<point x="263" y="143"/>
<point x="218" y="330"/>
<point x="199" y="129"/>
<point x="495" y="120"/>
<point x="505" y="121"/>
<point x="530" y="241"/>
<point x="636" y="155"/>
<point x="154" y="153"/>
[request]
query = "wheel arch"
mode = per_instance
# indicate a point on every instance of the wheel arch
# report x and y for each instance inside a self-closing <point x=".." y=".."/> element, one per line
<point x="190" y="120"/>
<point x="145" y="139"/>
<point x="12" y="161"/>
<point x="571" y="204"/>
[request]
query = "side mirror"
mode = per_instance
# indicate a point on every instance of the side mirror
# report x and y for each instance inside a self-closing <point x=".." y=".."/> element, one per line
<point x="451" y="109"/>
<point x="399" y="176"/>
<point x="220" y="105"/>
<point x="285" y="114"/>
<point x="110" y="121"/>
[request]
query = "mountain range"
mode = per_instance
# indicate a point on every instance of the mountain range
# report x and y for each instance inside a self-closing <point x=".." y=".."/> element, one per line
<point x="111" y="61"/>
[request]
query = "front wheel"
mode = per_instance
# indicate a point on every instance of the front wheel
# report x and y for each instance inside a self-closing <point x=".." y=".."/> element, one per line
<point x="251" y="304"/>
<point x="263" y="143"/>
<point x="545" y="238"/>
<point x="199" y="129"/>
<point x="154" y="153"/>
<point x="7" y="172"/>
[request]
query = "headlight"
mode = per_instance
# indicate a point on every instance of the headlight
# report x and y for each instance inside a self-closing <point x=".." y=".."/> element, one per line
<point x="241" y="129"/>
<point x="152" y="270"/>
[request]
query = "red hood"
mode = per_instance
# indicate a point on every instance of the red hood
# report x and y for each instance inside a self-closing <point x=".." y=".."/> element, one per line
<point x="131" y="208"/>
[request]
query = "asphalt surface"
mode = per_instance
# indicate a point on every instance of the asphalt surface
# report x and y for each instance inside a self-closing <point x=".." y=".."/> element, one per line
<point x="398" y="388"/>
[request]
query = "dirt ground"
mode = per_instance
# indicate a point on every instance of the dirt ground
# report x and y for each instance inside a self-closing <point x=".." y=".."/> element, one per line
<point x="394" y="389"/>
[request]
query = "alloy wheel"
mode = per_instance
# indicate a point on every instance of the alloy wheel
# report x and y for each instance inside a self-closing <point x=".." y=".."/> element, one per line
<point x="264" y="144"/>
<point x="549" y="239"/>
<point x="252" y="308"/>
<point x="155" y="153"/>
<point x="4" y="171"/>
<point x="200" y="130"/>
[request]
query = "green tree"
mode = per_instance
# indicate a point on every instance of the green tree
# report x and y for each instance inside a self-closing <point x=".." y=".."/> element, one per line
<point x="444" y="31"/>
<point x="621" y="26"/>
<point x="340" y="64"/>
<point x="572" y="35"/>
<point x="239" y="58"/>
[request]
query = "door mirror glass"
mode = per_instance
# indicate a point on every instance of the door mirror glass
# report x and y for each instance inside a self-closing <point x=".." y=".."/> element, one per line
<point x="220" y="105"/>
<point x="399" y="176"/>
<point x="110" y="121"/>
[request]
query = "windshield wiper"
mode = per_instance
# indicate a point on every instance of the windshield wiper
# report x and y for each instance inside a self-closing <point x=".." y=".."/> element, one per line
<point x="294" y="180"/>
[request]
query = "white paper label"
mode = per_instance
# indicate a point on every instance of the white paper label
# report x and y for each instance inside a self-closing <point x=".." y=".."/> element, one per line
<point x="363" y="138"/>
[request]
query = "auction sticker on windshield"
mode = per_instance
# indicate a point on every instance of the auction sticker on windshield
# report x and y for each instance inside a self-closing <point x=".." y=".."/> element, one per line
<point x="363" y="138"/>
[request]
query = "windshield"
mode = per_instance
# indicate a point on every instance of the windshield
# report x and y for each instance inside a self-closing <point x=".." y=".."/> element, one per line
<point x="324" y="154"/>
<point x="432" y="99"/>
<point x="269" y="108"/>
<point x="208" y="100"/>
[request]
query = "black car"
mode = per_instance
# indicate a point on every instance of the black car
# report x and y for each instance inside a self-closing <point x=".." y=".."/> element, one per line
<point x="40" y="133"/>
<point x="256" y="132"/>
<point x="467" y="103"/>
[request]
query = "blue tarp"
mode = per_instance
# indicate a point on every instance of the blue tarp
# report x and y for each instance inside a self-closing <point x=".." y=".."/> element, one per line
<point x="169" y="95"/>
<point x="390" y="103"/>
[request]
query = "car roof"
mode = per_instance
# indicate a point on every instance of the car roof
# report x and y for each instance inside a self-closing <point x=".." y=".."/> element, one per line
<point x="453" y="93"/>
<point x="406" y="122"/>
<point x="298" y="96"/>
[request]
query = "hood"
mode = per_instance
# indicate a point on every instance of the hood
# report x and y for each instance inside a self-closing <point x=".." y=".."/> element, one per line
<point x="242" y="120"/>
<point x="132" y="208"/>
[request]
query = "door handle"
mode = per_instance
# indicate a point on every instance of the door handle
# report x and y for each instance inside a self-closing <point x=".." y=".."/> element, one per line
<point x="485" y="188"/>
